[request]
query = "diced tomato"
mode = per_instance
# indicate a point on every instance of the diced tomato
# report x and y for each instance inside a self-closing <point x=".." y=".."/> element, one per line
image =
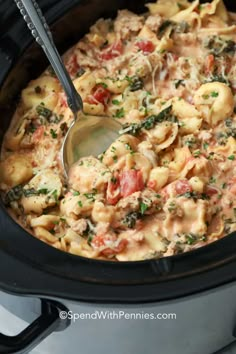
<point x="37" y="135"/>
<point x="182" y="187"/>
<point x="210" y="63"/>
<point x="175" y="56"/>
<point x="210" y="191"/>
<point x="151" y="184"/>
<point x="113" y="191"/>
<point x="145" y="46"/>
<point x="112" y="251"/>
<point x="100" y="95"/>
<point x="34" y="164"/>
<point x="112" y="51"/>
<point x="72" y="65"/>
<point x="98" y="241"/>
<point x="130" y="182"/>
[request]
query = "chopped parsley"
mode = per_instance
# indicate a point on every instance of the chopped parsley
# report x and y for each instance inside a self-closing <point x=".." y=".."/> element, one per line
<point x="231" y="157"/>
<point x="177" y="83"/>
<point x="143" y="207"/>
<point x="43" y="111"/>
<point x="91" y="196"/>
<point x="120" y="113"/>
<point x="131" y="219"/>
<point x="76" y="193"/>
<point x="116" y="102"/>
<point x="214" y="94"/>
<point x="191" y="239"/>
<point x="80" y="204"/>
<point x="212" y="180"/>
<point x="205" y="146"/>
<point x="196" y="153"/>
<point x="80" y="72"/>
<point x="135" y="82"/>
<point x="194" y="195"/>
<point x="53" y="133"/>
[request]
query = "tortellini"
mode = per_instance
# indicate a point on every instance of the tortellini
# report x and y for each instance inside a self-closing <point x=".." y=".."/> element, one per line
<point x="44" y="89"/>
<point x="215" y="101"/>
<point x="15" y="170"/>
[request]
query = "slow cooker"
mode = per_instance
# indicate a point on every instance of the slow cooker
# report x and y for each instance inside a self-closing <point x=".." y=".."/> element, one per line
<point x="54" y="302"/>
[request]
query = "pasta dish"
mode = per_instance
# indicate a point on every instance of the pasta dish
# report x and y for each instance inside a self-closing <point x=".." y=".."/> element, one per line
<point x="167" y="185"/>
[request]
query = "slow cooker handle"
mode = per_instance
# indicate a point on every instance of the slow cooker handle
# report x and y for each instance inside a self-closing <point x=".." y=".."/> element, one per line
<point x="50" y="320"/>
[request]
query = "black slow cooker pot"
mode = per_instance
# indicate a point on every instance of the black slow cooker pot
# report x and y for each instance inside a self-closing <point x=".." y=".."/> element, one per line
<point x="29" y="266"/>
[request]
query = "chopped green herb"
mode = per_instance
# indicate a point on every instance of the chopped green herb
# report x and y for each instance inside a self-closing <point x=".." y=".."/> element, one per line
<point x="55" y="195"/>
<point x="136" y="83"/>
<point x="149" y="122"/>
<point x="143" y="207"/>
<point x="120" y="113"/>
<point x="191" y="239"/>
<point x="91" y="196"/>
<point x="194" y="195"/>
<point x="116" y="102"/>
<point x="80" y="72"/>
<point x="212" y="180"/>
<point x="172" y="206"/>
<point x="103" y="84"/>
<point x="231" y="157"/>
<point x="177" y="83"/>
<point x="214" y="94"/>
<point x="76" y="193"/>
<point x="90" y="239"/>
<point x="166" y="24"/>
<point x="43" y="111"/>
<point x="80" y="204"/>
<point x="205" y="146"/>
<point x="115" y="158"/>
<point x="131" y="219"/>
<point x="113" y="180"/>
<point x="43" y="191"/>
<point x="197" y="153"/>
<point x="53" y="133"/>
<point x="224" y="185"/>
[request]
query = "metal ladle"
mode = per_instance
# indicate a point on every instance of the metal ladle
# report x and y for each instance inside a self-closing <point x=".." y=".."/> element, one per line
<point x="87" y="135"/>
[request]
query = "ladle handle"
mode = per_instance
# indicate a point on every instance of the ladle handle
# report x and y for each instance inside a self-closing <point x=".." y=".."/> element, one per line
<point x="37" y="24"/>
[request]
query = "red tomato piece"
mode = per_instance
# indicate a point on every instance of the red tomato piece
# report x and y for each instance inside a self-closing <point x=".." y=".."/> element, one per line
<point x="151" y="184"/>
<point x="112" y="51"/>
<point x="210" y="191"/>
<point x="182" y="187"/>
<point x="112" y="251"/>
<point x="100" y="95"/>
<point x="98" y="241"/>
<point x="210" y="62"/>
<point x="113" y="191"/>
<point x="145" y="46"/>
<point x="38" y="134"/>
<point x="72" y="65"/>
<point x="130" y="182"/>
